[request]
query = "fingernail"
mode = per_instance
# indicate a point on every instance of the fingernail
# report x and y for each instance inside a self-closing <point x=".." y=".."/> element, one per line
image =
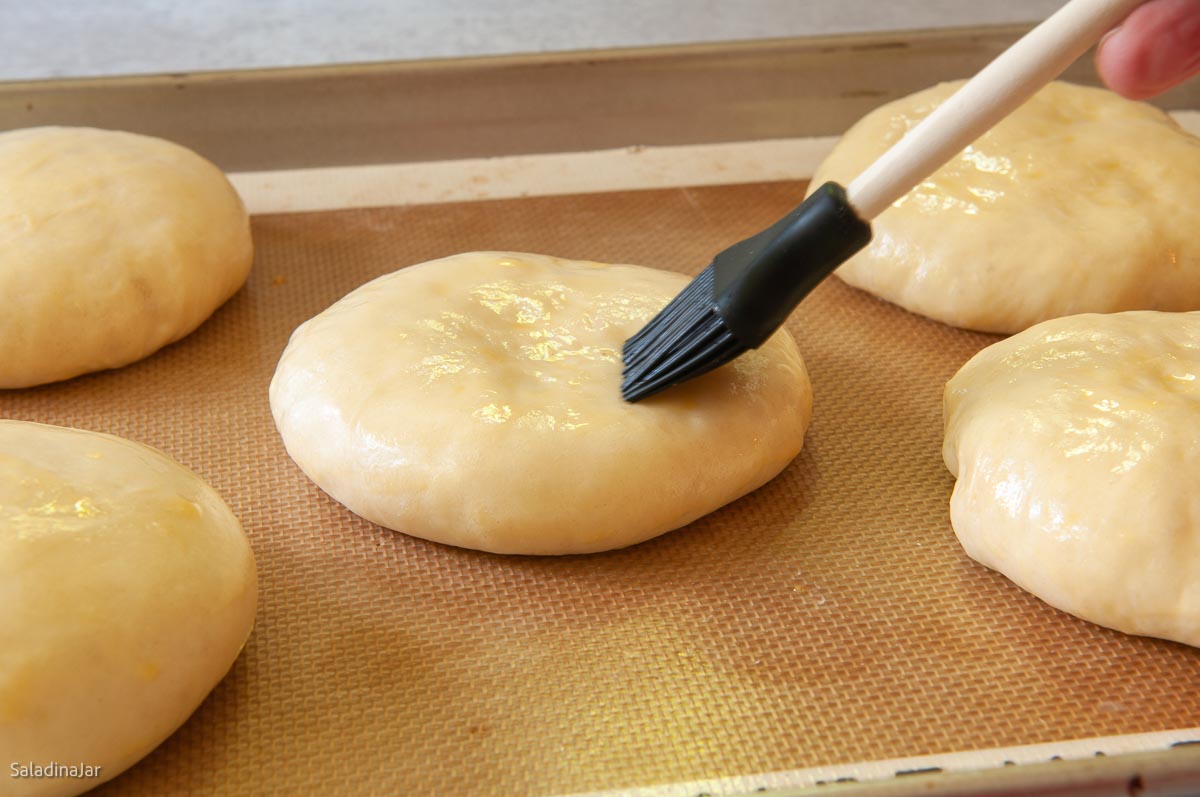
<point x="1108" y="36"/>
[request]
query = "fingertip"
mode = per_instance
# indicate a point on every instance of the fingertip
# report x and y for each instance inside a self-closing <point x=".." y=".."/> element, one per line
<point x="1157" y="47"/>
<point x="1116" y="63"/>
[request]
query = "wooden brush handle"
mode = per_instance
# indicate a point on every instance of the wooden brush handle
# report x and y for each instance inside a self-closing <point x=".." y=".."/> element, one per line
<point x="1039" y="57"/>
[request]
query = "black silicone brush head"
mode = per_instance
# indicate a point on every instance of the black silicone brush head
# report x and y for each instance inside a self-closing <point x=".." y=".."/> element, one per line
<point x="744" y="295"/>
<point x="683" y="341"/>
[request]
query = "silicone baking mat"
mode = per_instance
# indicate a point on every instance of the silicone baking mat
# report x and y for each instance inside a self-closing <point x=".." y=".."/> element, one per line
<point x="828" y="618"/>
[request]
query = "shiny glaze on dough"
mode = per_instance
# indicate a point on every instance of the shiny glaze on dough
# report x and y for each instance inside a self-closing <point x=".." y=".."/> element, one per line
<point x="1077" y="448"/>
<point x="128" y="589"/>
<point x="475" y="400"/>
<point x="1080" y="201"/>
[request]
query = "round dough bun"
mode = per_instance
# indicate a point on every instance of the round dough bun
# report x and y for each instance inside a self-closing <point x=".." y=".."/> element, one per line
<point x="128" y="589"/>
<point x="475" y="400"/>
<point x="1080" y="202"/>
<point x="112" y="245"/>
<point x="1076" y="445"/>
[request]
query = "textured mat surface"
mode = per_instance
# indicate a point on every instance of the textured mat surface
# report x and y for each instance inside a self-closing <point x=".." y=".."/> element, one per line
<point x="828" y="618"/>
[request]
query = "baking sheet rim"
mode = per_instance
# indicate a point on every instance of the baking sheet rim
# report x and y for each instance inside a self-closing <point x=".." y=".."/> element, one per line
<point x="548" y="174"/>
<point x="1003" y="770"/>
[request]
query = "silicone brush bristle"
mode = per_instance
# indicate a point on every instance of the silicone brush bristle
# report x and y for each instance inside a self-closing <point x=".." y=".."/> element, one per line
<point x="686" y="339"/>
<point x="744" y="295"/>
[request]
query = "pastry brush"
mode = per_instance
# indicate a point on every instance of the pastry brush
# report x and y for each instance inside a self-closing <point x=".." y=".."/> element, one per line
<point x="749" y="289"/>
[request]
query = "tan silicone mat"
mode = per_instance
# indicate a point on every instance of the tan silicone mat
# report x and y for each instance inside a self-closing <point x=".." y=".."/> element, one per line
<point x="828" y="618"/>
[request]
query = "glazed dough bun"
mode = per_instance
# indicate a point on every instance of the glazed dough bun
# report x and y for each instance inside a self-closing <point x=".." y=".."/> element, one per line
<point x="475" y="401"/>
<point x="1081" y="201"/>
<point x="128" y="589"/>
<point x="112" y="245"/>
<point x="1076" y="445"/>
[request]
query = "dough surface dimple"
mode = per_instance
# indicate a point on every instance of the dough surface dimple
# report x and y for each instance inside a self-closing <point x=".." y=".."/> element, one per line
<point x="1076" y="445"/>
<point x="1079" y="202"/>
<point x="112" y="245"/>
<point x="475" y="401"/>
<point x="128" y="589"/>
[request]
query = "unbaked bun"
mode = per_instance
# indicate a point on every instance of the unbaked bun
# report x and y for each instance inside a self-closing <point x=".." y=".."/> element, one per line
<point x="128" y="588"/>
<point x="1080" y="201"/>
<point x="475" y="401"/>
<point x="1076" y="444"/>
<point x="112" y="245"/>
